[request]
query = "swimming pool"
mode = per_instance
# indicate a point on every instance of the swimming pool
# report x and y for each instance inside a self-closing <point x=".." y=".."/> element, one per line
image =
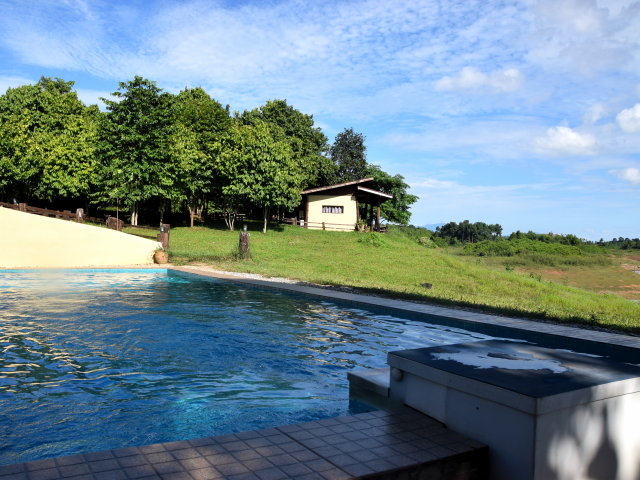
<point x="98" y="359"/>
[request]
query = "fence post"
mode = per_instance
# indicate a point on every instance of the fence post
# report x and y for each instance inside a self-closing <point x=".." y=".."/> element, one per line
<point x="22" y="207"/>
<point x="80" y="215"/>
<point x="163" y="236"/>
<point x="243" y="244"/>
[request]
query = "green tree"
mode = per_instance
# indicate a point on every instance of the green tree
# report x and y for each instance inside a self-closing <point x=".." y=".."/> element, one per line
<point x="200" y="122"/>
<point x="258" y="168"/>
<point x="47" y="142"/>
<point x="135" y="136"/>
<point x="348" y="152"/>
<point x="395" y="210"/>
<point x="309" y="146"/>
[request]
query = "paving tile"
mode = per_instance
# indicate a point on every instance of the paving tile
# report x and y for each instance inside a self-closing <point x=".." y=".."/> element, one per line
<point x="243" y="476"/>
<point x="41" y="464"/>
<point x="284" y="459"/>
<point x="74" y="470"/>
<point x="201" y="442"/>
<point x="180" y="445"/>
<point x="272" y="473"/>
<point x="139" y="471"/>
<point x="246" y="455"/>
<point x="232" y="469"/>
<point x="15" y="476"/>
<point x="220" y="459"/>
<point x="319" y="465"/>
<point x="342" y="460"/>
<point x="95" y="456"/>
<point x="185" y="453"/>
<point x="176" y="476"/>
<point x="270" y="450"/>
<point x="164" y="468"/>
<point x="257" y="464"/>
<point x="211" y="450"/>
<point x="110" y="475"/>
<point x="235" y="446"/>
<point x="104" y="465"/>
<point x="156" y="448"/>
<point x="335" y="474"/>
<point x="125" y="452"/>
<point x="159" y="457"/>
<point x="295" y="469"/>
<point x="132" y="461"/>
<point x="209" y="473"/>
<point x="194" y="463"/>
<point x="44" y="474"/>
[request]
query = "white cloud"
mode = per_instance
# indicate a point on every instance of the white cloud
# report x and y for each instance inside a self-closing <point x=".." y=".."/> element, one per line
<point x="595" y="113"/>
<point x="631" y="175"/>
<point x="629" y="119"/>
<point x="565" y="141"/>
<point x="471" y="78"/>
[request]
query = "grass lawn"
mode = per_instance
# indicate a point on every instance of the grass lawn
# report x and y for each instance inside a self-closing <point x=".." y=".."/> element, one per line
<point x="396" y="265"/>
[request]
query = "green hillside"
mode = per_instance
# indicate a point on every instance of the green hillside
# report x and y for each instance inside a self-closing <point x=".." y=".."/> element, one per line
<point x="397" y="265"/>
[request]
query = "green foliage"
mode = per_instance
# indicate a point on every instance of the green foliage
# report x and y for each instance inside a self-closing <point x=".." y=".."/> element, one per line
<point x="135" y="135"/>
<point x="199" y="122"/>
<point x="348" y="152"/>
<point x="395" y="210"/>
<point x="308" y="144"/>
<point x="468" y="232"/>
<point x="47" y="142"/>
<point x="373" y="239"/>
<point x="258" y="168"/>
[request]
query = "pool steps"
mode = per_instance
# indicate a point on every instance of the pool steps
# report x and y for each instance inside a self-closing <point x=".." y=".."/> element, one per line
<point x="380" y="445"/>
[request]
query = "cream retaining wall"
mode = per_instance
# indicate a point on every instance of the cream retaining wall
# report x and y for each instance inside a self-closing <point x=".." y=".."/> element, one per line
<point x="31" y="241"/>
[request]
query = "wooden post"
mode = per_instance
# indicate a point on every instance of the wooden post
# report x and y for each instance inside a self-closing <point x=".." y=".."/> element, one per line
<point x="22" y="207"/>
<point x="80" y="215"/>
<point x="163" y="236"/>
<point x="243" y="244"/>
<point x="378" y="217"/>
<point x="371" y="216"/>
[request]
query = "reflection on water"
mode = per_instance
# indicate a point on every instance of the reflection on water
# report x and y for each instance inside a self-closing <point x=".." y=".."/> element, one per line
<point x="95" y="360"/>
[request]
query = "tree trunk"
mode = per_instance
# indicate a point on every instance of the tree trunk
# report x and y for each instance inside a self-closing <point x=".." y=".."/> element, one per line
<point x="163" y="206"/>
<point x="134" y="214"/>
<point x="192" y="214"/>
<point x="265" y="217"/>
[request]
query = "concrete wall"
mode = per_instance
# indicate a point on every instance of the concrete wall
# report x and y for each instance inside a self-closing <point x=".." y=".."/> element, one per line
<point x="333" y="221"/>
<point x="33" y="241"/>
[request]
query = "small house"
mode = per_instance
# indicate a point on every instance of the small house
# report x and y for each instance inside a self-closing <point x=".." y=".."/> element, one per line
<point x="339" y="207"/>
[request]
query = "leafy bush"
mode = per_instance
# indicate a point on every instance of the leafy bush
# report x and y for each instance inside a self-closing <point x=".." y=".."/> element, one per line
<point x="373" y="239"/>
<point x="509" y="248"/>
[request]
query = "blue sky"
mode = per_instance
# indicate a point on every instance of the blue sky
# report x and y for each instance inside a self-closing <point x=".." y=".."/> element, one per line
<point x="523" y="113"/>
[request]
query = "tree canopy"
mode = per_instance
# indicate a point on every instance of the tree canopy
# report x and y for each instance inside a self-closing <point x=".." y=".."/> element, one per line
<point x="348" y="152"/>
<point x="47" y="142"/>
<point x="152" y="151"/>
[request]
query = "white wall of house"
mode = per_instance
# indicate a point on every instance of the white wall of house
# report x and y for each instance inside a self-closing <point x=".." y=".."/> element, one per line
<point x="345" y="221"/>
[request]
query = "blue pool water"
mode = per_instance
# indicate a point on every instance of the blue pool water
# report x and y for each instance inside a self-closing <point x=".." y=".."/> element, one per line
<point x="91" y="360"/>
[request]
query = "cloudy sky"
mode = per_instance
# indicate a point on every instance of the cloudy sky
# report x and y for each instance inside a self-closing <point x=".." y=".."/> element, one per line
<point x="523" y="113"/>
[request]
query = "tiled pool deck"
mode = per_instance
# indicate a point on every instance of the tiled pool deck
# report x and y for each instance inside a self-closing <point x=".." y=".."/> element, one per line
<point x="401" y="444"/>
<point x="380" y="445"/>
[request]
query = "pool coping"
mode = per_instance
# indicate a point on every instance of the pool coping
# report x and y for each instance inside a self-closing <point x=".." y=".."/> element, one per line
<point x="538" y="327"/>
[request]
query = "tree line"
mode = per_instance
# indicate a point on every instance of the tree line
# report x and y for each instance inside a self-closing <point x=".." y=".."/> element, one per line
<point x="154" y="151"/>
<point x="465" y="232"/>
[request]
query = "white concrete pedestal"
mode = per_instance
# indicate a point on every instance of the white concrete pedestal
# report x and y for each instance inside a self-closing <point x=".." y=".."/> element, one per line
<point x="545" y="414"/>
